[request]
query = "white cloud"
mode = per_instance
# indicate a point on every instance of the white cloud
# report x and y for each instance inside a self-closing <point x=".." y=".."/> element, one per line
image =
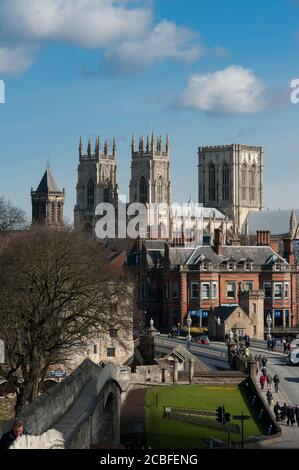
<point x="123" y="28"/>
<point x="165" y="41"/>
<point x="231" y="90"/>
<point x="15" y="59"/>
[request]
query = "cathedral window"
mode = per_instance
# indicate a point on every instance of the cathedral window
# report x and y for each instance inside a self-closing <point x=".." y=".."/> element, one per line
<point x="225" y="183"/>
<point x="90" y="194"/>
<point x="252" y="183"/>
<point x="212" y="183"/>
<point x="243" y="178"/>
<point x="159" y="190"/>
<point x="143" y="191"/>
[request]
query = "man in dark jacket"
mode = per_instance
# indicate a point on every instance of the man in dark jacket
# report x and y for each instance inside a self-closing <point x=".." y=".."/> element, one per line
<point x="297" y="414"/>
<point x="290" y="415"/>
<point x="9" y="437"/>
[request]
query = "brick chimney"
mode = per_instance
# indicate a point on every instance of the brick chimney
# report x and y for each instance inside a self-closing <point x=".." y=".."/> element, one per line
<point x="262" y="237"/>
<point x="288" y="251"/>
<point x="218" y="241"/>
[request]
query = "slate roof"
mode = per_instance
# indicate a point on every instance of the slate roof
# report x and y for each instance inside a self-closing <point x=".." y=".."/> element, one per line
<point x="48" y="184"/>
<point x="276" y="221"/>
<point x="187" y="256"/>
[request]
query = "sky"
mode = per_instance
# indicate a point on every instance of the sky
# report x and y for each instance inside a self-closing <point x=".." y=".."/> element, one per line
<point x="208" y="73"/>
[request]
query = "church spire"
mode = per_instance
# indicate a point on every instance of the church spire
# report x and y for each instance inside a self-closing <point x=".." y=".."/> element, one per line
<point x="114" y="148"/>
<point x="97" y="148"/>
<point x="293" y="224"/>
<point x="133" y="143"/>
<point x="89" y="149"/>
<point x="80" y="148"/>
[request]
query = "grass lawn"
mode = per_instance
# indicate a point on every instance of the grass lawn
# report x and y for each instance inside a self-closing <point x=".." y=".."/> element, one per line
<point x="165" y="433"/>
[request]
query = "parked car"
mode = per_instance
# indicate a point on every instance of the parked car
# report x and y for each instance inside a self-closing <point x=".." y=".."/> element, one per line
<point x="204" y="340"/>
<point x="293" y="357"/>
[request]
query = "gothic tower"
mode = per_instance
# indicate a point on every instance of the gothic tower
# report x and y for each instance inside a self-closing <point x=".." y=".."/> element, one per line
<point x="48" y="202"/>
<point x="230" y="178"/>
<point x="96" y="183"/>
<point x="150" y="175"/>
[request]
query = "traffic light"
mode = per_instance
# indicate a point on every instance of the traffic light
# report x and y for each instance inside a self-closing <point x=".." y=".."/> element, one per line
<point x="219" y="414"/>
<point x="226" y="417"/>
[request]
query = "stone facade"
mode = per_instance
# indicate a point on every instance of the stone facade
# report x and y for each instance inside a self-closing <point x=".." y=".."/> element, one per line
<point x="51" y="439"/>
<point x="48" y="202"/>
<point x="237" y="321"/>
<point x="96" y="183"/>
<point x="231" y="179"/>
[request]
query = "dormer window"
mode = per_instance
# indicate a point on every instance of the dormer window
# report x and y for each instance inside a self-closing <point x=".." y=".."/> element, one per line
<point x="230" y="266"/>
<point x="247" y="266"/>
<point x="204" y="266"/>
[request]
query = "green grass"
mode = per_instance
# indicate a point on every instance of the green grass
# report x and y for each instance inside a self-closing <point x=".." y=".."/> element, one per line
<point x="165" y="433"/>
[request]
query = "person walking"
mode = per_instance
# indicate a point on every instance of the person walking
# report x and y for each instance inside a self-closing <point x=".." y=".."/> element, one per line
<point x="297" y="414"/>
<point x="273" y="344"/>
<point x="262" y="381"/>
<point x="284" y="343"/>
<point x="290" y="415"/>
<point x="264" y="361"/>
<point x="269" y="381"/>
<point x="269" y="398"/>
<point x="264" y="372"/>
<point x="276" y="410"/>
<point x="276" y="382"/>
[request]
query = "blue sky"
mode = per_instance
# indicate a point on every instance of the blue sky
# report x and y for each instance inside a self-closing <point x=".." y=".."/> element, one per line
<point x="106" y="72"/>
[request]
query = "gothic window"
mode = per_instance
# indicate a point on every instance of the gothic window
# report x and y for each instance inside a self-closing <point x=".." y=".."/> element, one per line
<point x="252" y="182"/>
<point x="90" y="194"/>
<point x="243" y="178"/>
<point x="159" y="190"/>
<point x="106" y="192"/>
<point x="212" y="183"/>
<point x="143" y="191"/>
<point x="225" y="183"/>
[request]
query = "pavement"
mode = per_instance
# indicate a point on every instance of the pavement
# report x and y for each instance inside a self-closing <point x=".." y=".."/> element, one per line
<point x="288" y="393"/>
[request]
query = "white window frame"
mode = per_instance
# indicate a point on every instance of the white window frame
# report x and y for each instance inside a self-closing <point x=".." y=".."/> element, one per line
<point x="281" y="290"/>
<point x="195" y="283"/>
<point x="232" y="284"/>
<point x="206" y="297"/>
<point x="214" y="290"/>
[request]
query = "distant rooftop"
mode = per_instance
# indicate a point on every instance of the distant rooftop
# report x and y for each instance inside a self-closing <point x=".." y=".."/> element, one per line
<point x="276" y="221"/>
<point x="48" y="184"/>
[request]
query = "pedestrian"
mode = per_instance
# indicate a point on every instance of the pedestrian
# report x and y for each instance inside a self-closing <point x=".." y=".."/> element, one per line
<point x="269" y="398"/>
<point x="284" y="412"/>
<point x="276" y="410"/>
<point x="262" y="381"/>
<point x="268" y="344"/>
<point x="289" y="347"/>
<point x="273" y="344"/>
<point x="290" y="415"/>
<point x="17" y="430"/>
<point x="297" y="414"/>
<point x="264" y="371"/>
<point x="276" y="382"/>
<point x="264" y="361"/>
<point x="285" y="348"/>
<point x="269" y="381"/>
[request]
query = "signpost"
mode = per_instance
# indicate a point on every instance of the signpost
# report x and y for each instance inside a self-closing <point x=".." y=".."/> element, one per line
<point x="242" y="418"/>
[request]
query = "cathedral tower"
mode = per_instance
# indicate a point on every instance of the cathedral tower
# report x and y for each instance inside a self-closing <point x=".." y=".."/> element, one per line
<point x="48" y="202"/>
<point x="150" y="175"/>
<point x="230" y="178"/>
<point x="96" y="182"/>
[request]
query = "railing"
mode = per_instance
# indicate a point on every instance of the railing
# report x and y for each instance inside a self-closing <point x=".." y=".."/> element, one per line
<point x="192" y="348"/>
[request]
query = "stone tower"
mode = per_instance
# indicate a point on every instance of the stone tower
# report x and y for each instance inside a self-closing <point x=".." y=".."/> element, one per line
<point x="230" y="178"/>
<point x="150" y="175"/>
<point x="252" y="302"/>
<point x="48" y="202"/>
<point x="96" y="183"/>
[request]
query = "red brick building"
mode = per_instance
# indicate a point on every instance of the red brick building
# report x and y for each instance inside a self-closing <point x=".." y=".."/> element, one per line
<point x="175" y="281"/>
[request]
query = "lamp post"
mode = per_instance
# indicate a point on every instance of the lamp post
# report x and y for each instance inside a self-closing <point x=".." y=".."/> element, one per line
<point x="189" y="323"/>
<point x="144" y="312"/>
<point x="269" y="323"/>
<point x="218" y="323"/>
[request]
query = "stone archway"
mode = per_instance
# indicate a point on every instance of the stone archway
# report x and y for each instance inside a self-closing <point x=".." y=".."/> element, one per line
<point x="109" y="414"/>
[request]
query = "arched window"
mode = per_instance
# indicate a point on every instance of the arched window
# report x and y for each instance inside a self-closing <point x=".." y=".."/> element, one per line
<point x="252" y="182"/>
<point x="143" y="191"/>
<point x="225" y="183"/>
<point x="159" y="190"/>
<point x="244" y="181"/>
<point x="212" y="183"/>
<point x="90" y="194"/>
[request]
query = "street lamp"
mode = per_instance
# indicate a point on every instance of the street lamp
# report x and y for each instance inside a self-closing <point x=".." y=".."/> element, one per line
<point x="269" y="323"/>
<point x="189" y="323"/>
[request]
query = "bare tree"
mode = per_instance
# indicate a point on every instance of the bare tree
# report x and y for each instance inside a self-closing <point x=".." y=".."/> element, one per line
<point x="56" y="290"/>
<point x="11" y="217"/>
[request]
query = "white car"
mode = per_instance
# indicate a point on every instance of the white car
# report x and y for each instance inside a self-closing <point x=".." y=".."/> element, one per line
<point x="295" y="344"/>
<point x="293" y="357"/>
